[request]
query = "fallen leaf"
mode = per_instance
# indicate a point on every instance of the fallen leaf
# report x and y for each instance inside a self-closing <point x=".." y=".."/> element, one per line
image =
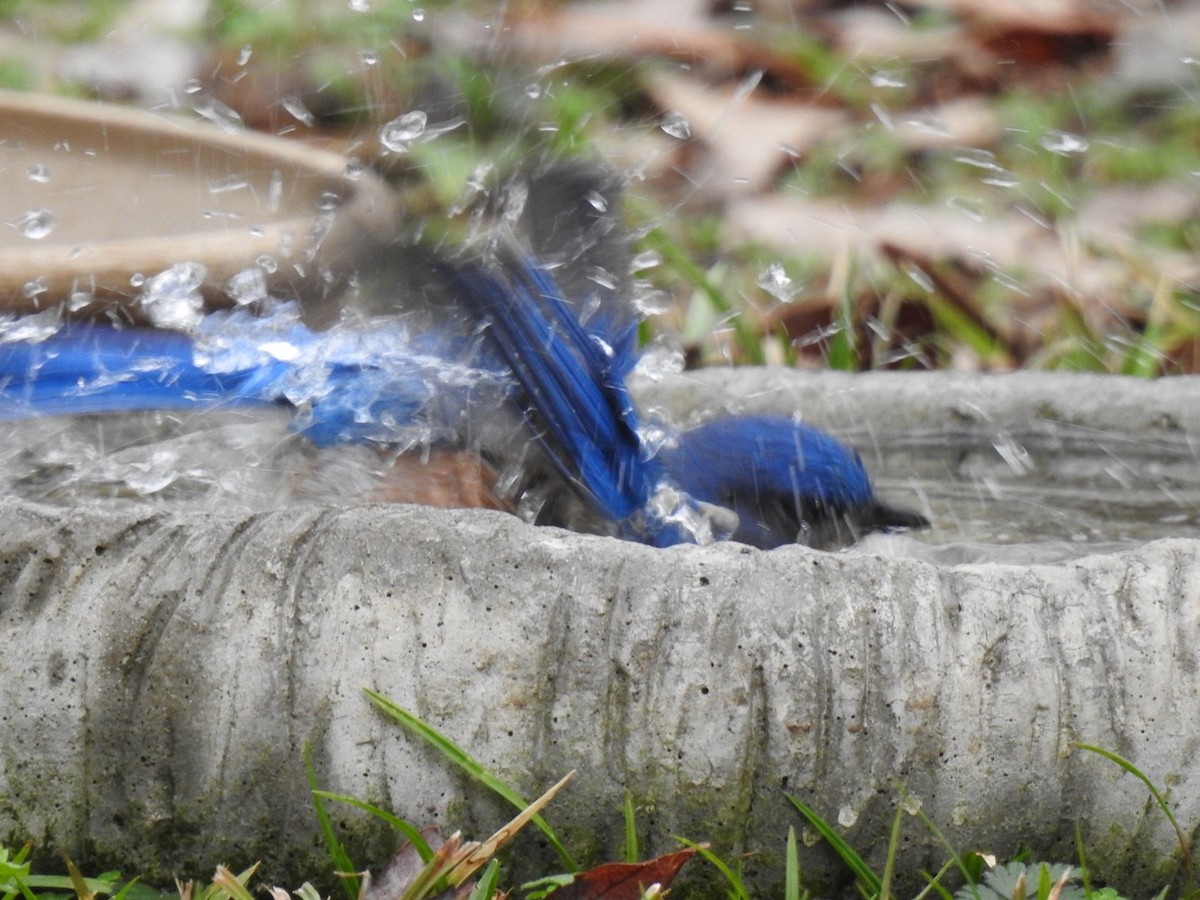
<point x="750" y="137"/>
<point x="625" y="881"/>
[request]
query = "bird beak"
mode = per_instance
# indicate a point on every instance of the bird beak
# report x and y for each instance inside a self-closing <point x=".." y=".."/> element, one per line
<point x="878" y="516"/>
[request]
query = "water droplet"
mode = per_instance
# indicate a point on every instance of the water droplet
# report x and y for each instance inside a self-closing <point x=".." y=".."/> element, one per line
<point x="970" y="208"/>
<point x="30" y="329"/>
<point x="984" y="159"/>
<point x="920" y="278"/>
<point x="1014" y="454"/>
<point x="137" y="279"/>
<point x="660" y="358"/>
<point x="418" y="15"/>
<point x="227" y="184"/>
<point x="775" y="280"/>
<point x="274" y="191"/>
<point x="247" y="286"/>
<point x="368" y="58"/>
<point x="296" y="108"/>
<point x="32" y="289"/>
<point x="243" y="56"/>
<point x="647" y="259"/>
<point x="676" y="125"/>
<point x="1063" y="143"/>
<point x="597" y="201"/>
<point x="651" y="302"/>
<point x="980" y="159"/>
<point x="192" y="86"/>
<point x="1006" y="180"/>
<point x="602" y="277"/>
<point x="359" y="6"/>
<point x="534" y="91"/>
<point x="884" y="117"/>
<point x="398" y="134"/>
<point x="355" y="168"/>
<point x="224" y="117"/>
<point x="328" y="201"/>
<point x="882" y="78"/>
<point x="35" y="224"/>
<point x="172" y="298"/>
<point x="38" y="172"/>
<point x="284" y="351"/>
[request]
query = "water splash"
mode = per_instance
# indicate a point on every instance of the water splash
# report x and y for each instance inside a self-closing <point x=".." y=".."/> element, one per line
<point x="247" y="286"/>
<point x="775" y="280"/>
<point x="647" y="259"/>
<point x="398" y="134"/>
<point x="297" y="110"/>
<point x="35" y="224"/>
<point x="30" y="328"/>
<point x="1064" y="143"/>
<point x="172" y="298"/>
<point x="676" y="125"/>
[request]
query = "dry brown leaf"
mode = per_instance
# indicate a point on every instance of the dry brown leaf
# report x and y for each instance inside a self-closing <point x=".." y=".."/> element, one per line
<point x="1007" y="243"/>
<point x="474" y="856"/>
<point x="402" y="869"/>
<point x="633" y="29"/>
<point x="1048" y="16"/>
<point x="750" y="137"/>
<point x="966" y="122"/>
<point x="625" y="881"/>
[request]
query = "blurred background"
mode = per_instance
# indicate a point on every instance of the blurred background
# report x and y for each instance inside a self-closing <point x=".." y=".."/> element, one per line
<point x="969" y="184"/>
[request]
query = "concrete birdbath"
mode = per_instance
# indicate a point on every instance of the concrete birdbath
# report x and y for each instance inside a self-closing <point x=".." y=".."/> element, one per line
<point x="177" y="626"/>
<point x="168" y="656"/>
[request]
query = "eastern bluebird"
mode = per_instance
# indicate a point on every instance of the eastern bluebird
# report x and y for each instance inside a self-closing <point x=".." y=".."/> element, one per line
<point x="504" y="370"/>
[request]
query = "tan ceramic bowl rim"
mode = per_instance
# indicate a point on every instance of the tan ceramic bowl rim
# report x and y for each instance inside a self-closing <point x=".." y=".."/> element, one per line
<point x="366" y="204"/>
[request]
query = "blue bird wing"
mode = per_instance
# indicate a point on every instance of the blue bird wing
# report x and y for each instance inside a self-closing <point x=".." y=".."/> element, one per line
<point x="345" y="385"/>
<point x="581" y="410"/>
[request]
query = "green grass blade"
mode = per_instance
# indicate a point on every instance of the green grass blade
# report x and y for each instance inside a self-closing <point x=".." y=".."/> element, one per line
<point x="485" y="888"/>
<point x="867" y="879"/>
<point x="337" y="853"/>
<point x="1085" y="877"/>
<point x="1184" y="845"/>
<point x="889" y="866"/>
<point x="674" y="257"/>
<point x="935" y="883"/>
<point x="736" y="886"/>
<point x="470" y="765"/>
<point x="955" y="858"/>
<point x="411" y="833"/>
<point x="22" y="888"/>
<point x="133" y="889"/>
<point x="791" y="878"/>
<point x="65" y="883"/>
<point x="632" y="853"/>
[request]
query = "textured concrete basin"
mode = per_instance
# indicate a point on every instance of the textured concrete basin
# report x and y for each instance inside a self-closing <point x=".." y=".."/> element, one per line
<point x="166" y="662"/>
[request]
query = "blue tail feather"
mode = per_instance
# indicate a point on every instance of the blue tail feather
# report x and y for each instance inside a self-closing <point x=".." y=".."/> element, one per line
<point x="588" y="419"/>
<point x="94" y="369"/>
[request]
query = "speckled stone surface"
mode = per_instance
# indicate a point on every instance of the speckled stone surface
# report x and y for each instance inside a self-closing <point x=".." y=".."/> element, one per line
<point x="162" y="671"/>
